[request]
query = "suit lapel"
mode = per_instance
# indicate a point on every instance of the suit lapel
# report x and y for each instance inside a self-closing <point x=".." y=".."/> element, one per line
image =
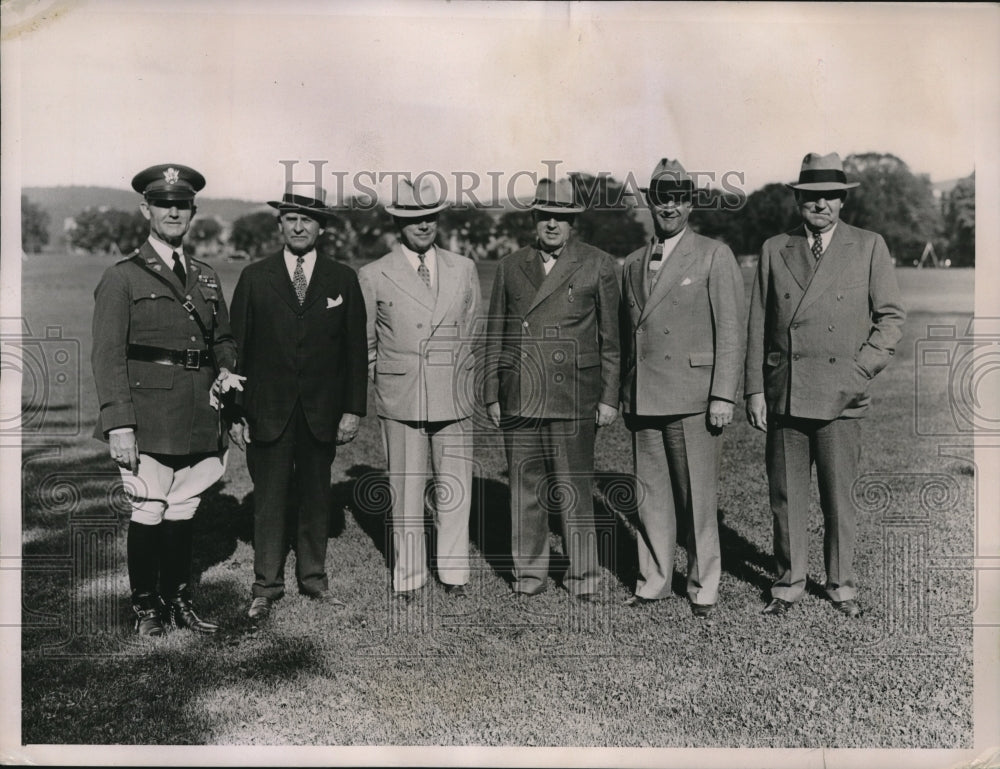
<point x="672" y="271"/>
<point x="317" y="285"/>
<point x="566" y="264"/>
<point x="447" y="294"/>
<point x="637" y="275"/>
<point x="831" y="265"/>
<point x="798" y="258"/>
<point x="531" y="266"/>
<point x="399" y="270"/>
<point x="279" y="281"/>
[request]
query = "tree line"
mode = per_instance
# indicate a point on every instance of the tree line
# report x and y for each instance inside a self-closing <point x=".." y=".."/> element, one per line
<point x="892" y="200"/>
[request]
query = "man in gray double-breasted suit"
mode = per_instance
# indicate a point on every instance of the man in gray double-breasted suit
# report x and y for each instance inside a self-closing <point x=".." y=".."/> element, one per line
<point x="552" y="369"/>
<point x="825" y="317"/>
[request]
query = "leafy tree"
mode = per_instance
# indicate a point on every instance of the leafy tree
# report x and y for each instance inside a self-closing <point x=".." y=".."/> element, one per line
<point x="257" y="234"/>
<point x="960" y="222"/>
<point x="34" y="226"/>
<point x="472" y="225"/>
<point x="717" y="215"/>
<point x="608" y="222"/>
<point x="204" y="231"/>
<point x="518" y="226"/>
<point x="96" y="229"/>
<point x="892" y="201"/>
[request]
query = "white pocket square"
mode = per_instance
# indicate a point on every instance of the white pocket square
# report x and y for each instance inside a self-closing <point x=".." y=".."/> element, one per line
<point x="686" y="282"/>
<point x="334" y="302"/>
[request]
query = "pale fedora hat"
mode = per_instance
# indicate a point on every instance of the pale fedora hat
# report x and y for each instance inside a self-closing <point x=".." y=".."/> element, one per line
<point x="556" y="197"/>
<point x="822" y="173"/>
<point x="410" y="202"/>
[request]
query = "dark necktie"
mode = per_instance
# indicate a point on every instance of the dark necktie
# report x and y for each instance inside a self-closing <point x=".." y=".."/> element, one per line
<point x="817" y="245"/>
<point x="299" y="279"/>
<point x="179" y="268"/>
<point x="422" y="271"/>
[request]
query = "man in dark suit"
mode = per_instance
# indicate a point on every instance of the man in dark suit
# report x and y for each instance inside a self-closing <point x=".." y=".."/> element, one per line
<point x="551" y="373"/>
<point x="825" y="317"/>
<point x="299" y="321"/>
<point x="683" y="326"/>
<point x="161" y="334"/>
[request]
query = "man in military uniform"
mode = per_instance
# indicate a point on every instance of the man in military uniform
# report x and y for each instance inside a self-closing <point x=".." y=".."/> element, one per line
<point x="161" y="336"/>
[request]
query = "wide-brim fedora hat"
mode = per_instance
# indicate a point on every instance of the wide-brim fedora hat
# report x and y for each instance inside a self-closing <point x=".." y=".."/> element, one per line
<point x="556" y="197"/>
<point x="409" y="202"/>
<point x="668" y="178"/>
<point x="310" y="205"/>
<point x="822" y="173"/>
<point x="168" y="181"/>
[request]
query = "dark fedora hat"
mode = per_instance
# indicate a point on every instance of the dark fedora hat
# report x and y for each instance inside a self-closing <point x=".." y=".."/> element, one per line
<point x="822" y="173"/>
<point x="314" y="207"/>
<point x="668" y="179"/>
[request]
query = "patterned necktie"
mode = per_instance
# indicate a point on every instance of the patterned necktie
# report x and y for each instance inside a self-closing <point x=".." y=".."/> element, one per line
<point x="817" y="246"/>
<point x="179" y="268"/>
<point x="299" y="279"/>
<point x="423" y="272"/>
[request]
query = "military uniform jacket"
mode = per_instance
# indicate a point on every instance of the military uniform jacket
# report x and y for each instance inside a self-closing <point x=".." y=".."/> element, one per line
<point x="167" y="404"/>
<point x="684" y="342"/>
<point x="552" y="346"/>
<point x="819" y="331"/>
<point x="314" y="353"/>
<point x="422" y="343"/>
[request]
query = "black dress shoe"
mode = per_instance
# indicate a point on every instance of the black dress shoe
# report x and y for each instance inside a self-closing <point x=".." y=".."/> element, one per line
<point x="777" y="607"/>
<point x="638" y="600"/>
<point x="455" y="591"/>
<point x="148" y="610"/>
<point x="702" y="610"/>
<point x="180" y="609"/>
<point x="850" y="608"/>
<point x="260" y="608"/>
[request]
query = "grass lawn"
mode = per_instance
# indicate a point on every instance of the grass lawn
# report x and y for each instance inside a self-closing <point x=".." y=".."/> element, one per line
<point x="490" y="670"/>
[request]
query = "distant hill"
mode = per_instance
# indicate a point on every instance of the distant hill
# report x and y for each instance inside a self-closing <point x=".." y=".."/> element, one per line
<point x="63" y="202"/>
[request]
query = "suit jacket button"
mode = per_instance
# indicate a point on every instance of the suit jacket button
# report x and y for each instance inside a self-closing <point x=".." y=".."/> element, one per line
<point x="839" y="297"/>
<point x="796" y="356"/>
<point x="525" y="324"/>
<point x="190" y="317"/>
<point x="193" y="339"/>
<point x="666" y="331"/>
<point x="631" y="304"/>
<point x="833" y="360"/>
<point x="788" y="296"/>
<point x="666" y="357"/>
<point x="638" y="331"/>
<point x="795" y="325"/>
<point x="830" y="327"/>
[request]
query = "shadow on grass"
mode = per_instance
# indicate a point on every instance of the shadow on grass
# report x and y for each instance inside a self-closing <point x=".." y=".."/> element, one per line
<point x="113" y="687"/>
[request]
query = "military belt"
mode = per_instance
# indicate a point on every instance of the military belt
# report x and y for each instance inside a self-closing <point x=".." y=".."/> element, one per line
<point x="189" y="359"/>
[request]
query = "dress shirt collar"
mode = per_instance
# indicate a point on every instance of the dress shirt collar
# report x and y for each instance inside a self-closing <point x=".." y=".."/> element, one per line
<point x="166" y="252"/>
<point x="430" y="259"/>
<point x="308" y="263"/>
<point x="825" y="237"/>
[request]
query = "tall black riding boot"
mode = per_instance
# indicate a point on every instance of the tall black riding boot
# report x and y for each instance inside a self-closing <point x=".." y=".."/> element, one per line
<point x="175" y="576"/>
<point x="143" y="545"/>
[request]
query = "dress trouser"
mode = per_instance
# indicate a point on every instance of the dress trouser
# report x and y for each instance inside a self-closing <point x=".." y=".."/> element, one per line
<point x="793" y="446"/>
<point x="448" y="447"/>
<point x="290" y="474"/>
<point x="677" y="469"/>
<point x="551" y="468"/>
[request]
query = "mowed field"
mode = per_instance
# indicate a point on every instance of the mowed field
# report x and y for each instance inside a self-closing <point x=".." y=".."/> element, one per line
<point x="489" y="670"/>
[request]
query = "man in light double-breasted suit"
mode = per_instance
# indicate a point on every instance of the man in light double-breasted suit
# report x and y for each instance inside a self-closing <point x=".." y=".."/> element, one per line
<point x="683" y="321"/>
<point x="825" y="317"/>
<point x="422" y="304"/>
<point x="551" y="378"/>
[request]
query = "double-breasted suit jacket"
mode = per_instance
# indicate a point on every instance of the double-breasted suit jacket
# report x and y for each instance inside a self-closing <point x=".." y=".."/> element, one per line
<point x="422" y="344"/>
<point x="818" y="332"/>
<point x="552" y="347"/>
<point x="305" y="367"/>
<point x="682" y="344"/>
<point x="313" y="353"/>
<point x="168" y="405"/>
<point x="552" y="354"/>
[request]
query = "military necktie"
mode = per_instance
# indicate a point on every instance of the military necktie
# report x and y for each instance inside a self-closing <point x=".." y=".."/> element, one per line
<point x="299" y="279"/>
<point x="817" y="246"/>
<point x="422" y="271"/>
<point x="179" y="268"/>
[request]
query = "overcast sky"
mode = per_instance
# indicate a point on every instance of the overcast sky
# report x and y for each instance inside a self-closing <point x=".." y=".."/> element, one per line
<point x="232" y="88"/>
